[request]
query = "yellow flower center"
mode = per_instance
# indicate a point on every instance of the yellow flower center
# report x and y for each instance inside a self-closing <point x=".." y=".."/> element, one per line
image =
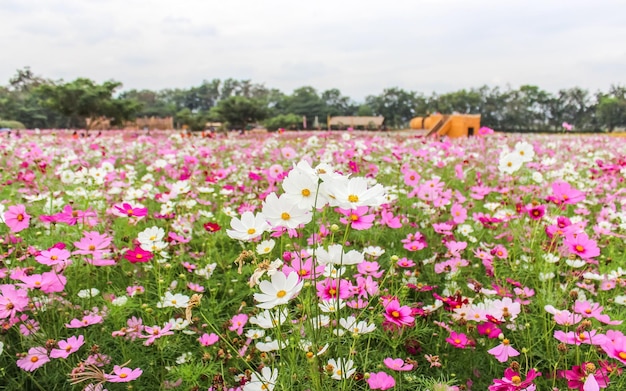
<point x="123" y="375"/>
<point x="505" y="341"/>
<point x="457" y="341"/>
<point x="251" y="231"/>
<point x="354" y="217"/>
<point x="353" y="198"/>
<point x="174" y="301"/>
<point x="281" y="293"/>
<point x="285" y="216"/>
<point x="34" y="359"/>
<point x="622" y="355"/>
<point x="306" y="192"/>
<point x="579" y="248"/>
<point x="54" y="257"/>
<point x="20" y="217"/>
<point x="395" y="314"/>
<point x="138" y="256"/>
<point x="516" y="380"/>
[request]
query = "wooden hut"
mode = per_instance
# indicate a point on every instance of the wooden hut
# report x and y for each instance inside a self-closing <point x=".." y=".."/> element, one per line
<point x="451" y="125"/>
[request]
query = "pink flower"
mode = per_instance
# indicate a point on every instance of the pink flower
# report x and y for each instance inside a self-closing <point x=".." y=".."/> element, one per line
<point x="68" y="347"/>
<point x="381" y="381"/>
<point x="208" y="339"/>
<point x="391" y="221"/>
<point x="564" y="193"/>
<point x="398" y="315"/>
<point x="155" y="332"/>
<point x="357" y="218"/>
<point x="397" y="364"/>
<point x="48" y="282"/>
<point x="327" y="289"/>
<point x="503" y="351"/>
<point x="92" y="242"/>
<point x="489" y="329"/>
<point x="87" y="320"/>
<point x="35" y="358"/>
<point x="12" y="300"/>
<point x="584" y="337"/>
<point x="581" y="245"/>
<point x="593" y="310"/>
<point x="16" y="218"/>
<point x="123" y="375"/>
<point x="458" y="340"/>
<point x="459" y="213"/>
<point x="237" y="323"/>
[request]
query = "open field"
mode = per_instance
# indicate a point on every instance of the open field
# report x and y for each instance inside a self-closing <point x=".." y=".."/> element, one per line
<point x="312" y="261"/>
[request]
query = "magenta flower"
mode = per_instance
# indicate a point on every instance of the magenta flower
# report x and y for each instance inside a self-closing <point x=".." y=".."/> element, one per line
<point x="398" y="315"/>
<point x="503" y="351"/>
<point x="138" y="255"/>
<point x="512" y="381"/>
<point x="397" y="364"/>
<point x="458" y="340"/>
<point x="585" y="377"/>
<point x="16" y="218"/>
<point x="616" y="348"/>
<point x="381" y="381"/>
<point x="123" y="375"/>
<point x="489" y="329"/>
<point x="128" y="210"/>
<point x="35" y="358"/>
<point x="327" y="289"/>
<point x="67" y="347"/>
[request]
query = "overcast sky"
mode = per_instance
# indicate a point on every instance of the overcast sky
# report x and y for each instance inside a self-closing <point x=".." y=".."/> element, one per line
<point x="358" y="46"/>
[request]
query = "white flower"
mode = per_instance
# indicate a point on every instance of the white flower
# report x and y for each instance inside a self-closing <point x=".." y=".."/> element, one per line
<point x="279" y="291"/>
<point x="255" y="333"/>
<point x="301" y="189"/>
<point x="509" y="162"/>
<point x="249" y="227"/>
<point x="265" y="247"/>
<point x="266" y="381"/>
<point x="355" y="327"/>
<point x="340" y="368"/>
<point x="179" y="324"/>
<point x="525" y="151"/>
<point x="268" y="319"/>
<point x="169" y="300"/>
<point x="550" y="258"/>
<point x="618" y="300"/>
<point x="281" y="212"/>
<point x="331" y="305"/>
<point x="352" y="193"/>
<point x="335" y="256"/>
<point x="374" y="251"/>
<point x="270" y="345"/>
<point x="546" y="276"/>
<point x="537" y="177"/>
<point x="150" y="235"/>
<point x="86" y="293"/>
<point x="120" y="301"/>
<point x="576" y="263"/>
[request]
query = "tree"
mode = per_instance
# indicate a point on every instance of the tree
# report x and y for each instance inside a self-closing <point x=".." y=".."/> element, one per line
<point x="395" y="104"/>
<point x="83" y="99"/>
<point x="306" y="102"/>
<point x="611" y="112"/>
<point x="285" y="121"/>
<point x="239" y="111"/>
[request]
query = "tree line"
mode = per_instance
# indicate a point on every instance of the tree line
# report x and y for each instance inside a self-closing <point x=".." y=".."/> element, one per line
<point x="37" y="102"/>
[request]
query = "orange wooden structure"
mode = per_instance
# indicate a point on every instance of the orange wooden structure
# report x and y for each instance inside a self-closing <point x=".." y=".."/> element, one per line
<point x="451" y="125"/>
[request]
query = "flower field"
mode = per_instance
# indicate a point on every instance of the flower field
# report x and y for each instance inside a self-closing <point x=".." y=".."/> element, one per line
<point x="312" y="261"/>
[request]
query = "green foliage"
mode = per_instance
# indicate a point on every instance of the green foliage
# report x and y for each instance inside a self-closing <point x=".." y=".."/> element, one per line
<point x="11" y="124"/>
<point x="83" y="99"/>
<point x="240" y="111"/>
<point x="285" y="121"/>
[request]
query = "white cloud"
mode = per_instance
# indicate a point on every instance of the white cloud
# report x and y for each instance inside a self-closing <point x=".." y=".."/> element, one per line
<point x="360" y="47"/>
